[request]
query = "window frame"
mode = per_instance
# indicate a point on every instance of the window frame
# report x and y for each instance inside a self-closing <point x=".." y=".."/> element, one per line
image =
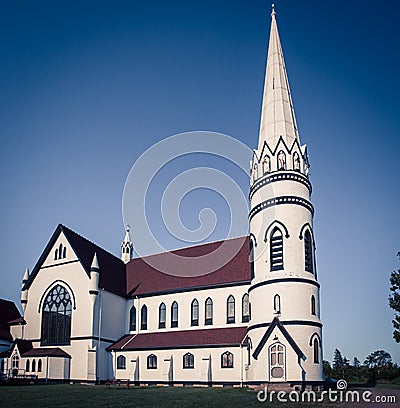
<point x="162" y="313"/>
<point x="188" y="361"/>
<point x="230" y="304"/>
<point x="174" y="314"/>
<point x="194" y="310"/>
<point x="143" y="317"/>
<point x="132" y="318"/>
<point x="209" y="310"/>
<point x="276" y="250"/>
<point x="227" y="360"/>
<point x="152" y="362"/>
<point x="121" y="362"/>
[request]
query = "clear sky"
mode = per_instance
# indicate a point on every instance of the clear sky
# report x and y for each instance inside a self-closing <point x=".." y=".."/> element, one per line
<point x="86" y="87"/>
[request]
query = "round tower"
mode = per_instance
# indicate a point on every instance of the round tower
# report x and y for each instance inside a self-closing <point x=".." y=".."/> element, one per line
<point x="285" y="327"/>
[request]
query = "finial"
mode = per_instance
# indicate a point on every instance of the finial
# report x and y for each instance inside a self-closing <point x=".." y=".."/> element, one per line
<point x="128" y="228"/>
<point x="273" y="13"/>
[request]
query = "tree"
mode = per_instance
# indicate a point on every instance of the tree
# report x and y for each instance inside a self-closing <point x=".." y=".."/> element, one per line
<point x="394" y="302"/>
<point x="356" y="362"/>
<point x="337" y="360"/>
<point x="379" y="358"/>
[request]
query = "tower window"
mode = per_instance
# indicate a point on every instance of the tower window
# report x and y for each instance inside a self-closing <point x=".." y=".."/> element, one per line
<point x="227" y="360"/>
<point x="209" y="312"/>
<point x="33" y="366"/>
<point x="255" y="172"/>
<point x="121" y="363"/>
<point x="251" y="259"/>
<point x="152" y="361"/>
<point x="188" y="360"/>
<point x="313" y="309"/>
<point x="308" y="252"/>
<point x="245" y="308"/>
<point x="195" y="313"/>
<point x="266" y="165"/>
<point x="27" y="366"/>
<point x="143" y="318"/>
<point x="230" y="309"/>
<point x="132" y="319"/>
<point x="296" y="161"/>
<point x="277" y="304"/>
<point x="162" y="316"/>
<point x="281" y="160"/>
<point x="39" y="366"/>
<point x="56" y="317"/>
<point x="316" y="351"/>
<point x="276" y="249"/>
<point x="174" y="314"/>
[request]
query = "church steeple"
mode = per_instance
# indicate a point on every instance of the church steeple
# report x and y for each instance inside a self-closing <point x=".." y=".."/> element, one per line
<point x="277" y="113"/>
<point x="127" y="246"/>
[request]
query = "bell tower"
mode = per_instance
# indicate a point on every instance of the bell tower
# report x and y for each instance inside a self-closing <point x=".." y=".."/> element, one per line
<point x="285" y="328"/>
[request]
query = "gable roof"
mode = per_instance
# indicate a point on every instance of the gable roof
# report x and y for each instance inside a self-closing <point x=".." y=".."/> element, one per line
<point x="144" y="277"/>
<point x="23" y="346"/>
<point x="227" y="336"/>
<point x="8" y="313"/>
<point x="44" y="352"/>
<point x="276" y="323"/>
<point x="112" y="269"/>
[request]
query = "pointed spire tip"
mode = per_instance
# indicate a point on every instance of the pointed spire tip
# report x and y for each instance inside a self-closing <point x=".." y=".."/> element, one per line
<point x="273" y="13"/>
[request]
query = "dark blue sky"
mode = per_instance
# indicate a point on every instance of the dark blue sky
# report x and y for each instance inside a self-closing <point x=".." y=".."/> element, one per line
<point x="86" y="87"/>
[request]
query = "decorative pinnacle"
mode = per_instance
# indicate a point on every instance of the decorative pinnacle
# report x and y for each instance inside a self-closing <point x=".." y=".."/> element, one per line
<point x="273" y="13"/>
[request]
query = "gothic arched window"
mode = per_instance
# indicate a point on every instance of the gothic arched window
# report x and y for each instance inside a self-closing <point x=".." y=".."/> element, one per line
<point x="188" y="360"/>
<point x="194" y="313"/>
<point x="121" y="363"/>
<point x="227" y="360"/>
<point x="162" y="316"/>
<point x="143" y="318"/>
<point x="281" y="160"/>
<point x="313" y="308"/>
<point x="64" y="252"/>
<point x="132" y="319"/>
<point x="56" y="254"/>
<point x="277" y="304"/>
<point x="276" y="249"/>
<point x="56" y="317"/>
<point x="266" y="165"/>
<point x="39" y="366"/>
<point x="208" y="312"/>
<point x="316" y="351"/>
<point x="230" y="309"/>
<point x="296" y="161"/>
<point x="152" y="361"/>
<point x="245" y="308"/>
<point x="251" y="259"/>
<point x="308" y="252"/>
<point x="27" y="366"/>
<point x="255" y="172"/>
<point x="174" y="314"/>
<point x="33" y="366"/>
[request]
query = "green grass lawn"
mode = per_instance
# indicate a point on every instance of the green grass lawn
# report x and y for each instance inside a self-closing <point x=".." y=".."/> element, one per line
<point x="99" y="396"/>
<point x="72" y="396"/>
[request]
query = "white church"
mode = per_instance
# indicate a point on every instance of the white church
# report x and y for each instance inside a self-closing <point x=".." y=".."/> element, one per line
<point x="91" y="316"/>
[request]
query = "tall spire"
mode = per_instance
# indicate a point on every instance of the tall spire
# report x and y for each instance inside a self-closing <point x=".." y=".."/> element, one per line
<point x="127" y="246"/>
<point x="277" y="114"/>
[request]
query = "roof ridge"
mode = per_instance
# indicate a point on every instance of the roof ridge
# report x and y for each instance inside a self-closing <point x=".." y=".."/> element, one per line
<point x="188" y="247"/>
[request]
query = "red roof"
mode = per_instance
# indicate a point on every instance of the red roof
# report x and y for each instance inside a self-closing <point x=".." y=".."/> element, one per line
<point x="8" y="313"/>
<point x="227" y="336"/>
<point x="43" y="352"/>
<point x="216" y="263"/>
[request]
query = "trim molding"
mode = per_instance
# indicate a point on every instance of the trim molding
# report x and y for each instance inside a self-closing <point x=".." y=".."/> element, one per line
<point x="59" y="264"/>
<point x="280" y="280"/>
<point x="192" y="289"/>
<point x="287" y="323"/>
<point x="280" y="176"/>
<point x="281" y="200"/>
